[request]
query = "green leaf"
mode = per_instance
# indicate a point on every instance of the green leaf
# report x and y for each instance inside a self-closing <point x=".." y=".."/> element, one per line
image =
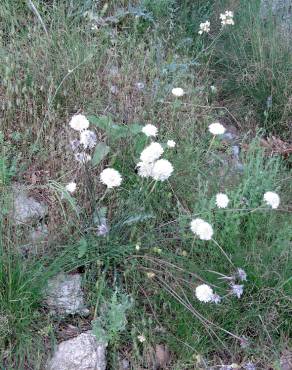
<point x="113" y="130"/>
<point x="101" y="150"/>
<point x="135" y="128"/>
<point x="102" y="122"/>
<point x="82" y="247"/>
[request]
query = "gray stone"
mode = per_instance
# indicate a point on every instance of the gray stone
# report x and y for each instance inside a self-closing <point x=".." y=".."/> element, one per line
<point x="281" y="12"/>
<point x="26" y="209"/>
<point x="80" y="353"/>
<point x="65" y="296"/>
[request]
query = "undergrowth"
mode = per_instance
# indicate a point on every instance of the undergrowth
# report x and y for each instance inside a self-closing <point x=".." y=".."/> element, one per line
<point x="117" y="63"/>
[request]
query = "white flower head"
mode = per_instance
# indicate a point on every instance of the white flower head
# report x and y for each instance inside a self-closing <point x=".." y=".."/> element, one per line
<point x="204" y="27"/>
<point x="171" y="143"/>
<point x="140" y="85"/>
<point x="141" y="338"/>
<point x="150" y="130"/>
<point x="88" y="139"/>
<point x="177" y="91"/>
<point x="237" y="290"/>
<point x="82" y="157"/>
<point x="111" y="178"/>
<point x="195" y="225"/>
<point x="71" y="187"/>
<point x="216" y="128"/>
<point x="162" y="169"/>
<point x="227" y="18"/>
<point x="272" y="199"/>
<point x="204" y="293"/>
<point x="79" y="122"/>
<point x="145" y="169"/>
<point x="222" y="200"/>
<point x="202" y="229"/>
<point x="151" y="153"/>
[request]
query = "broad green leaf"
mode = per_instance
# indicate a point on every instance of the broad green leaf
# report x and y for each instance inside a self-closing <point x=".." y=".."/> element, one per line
<point x="102" y="122"/>
<point x="82" y="247"/>
<point x="101" y="150"/>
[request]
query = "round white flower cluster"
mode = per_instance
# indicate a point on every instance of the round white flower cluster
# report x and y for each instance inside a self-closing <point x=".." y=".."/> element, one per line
<point x="150" y="164"/>
<point x="177" y="91"/>
<point x="151" y="153"/>
<point x="227" y="18"/>
<point x="216" y="128"/>
<point x="161" y="170"/>
<point x="204" y="27"/>
<point x="171" y="143"/>
<point x="111" y="178"/>
<point x="222" y="200"/>
<point x="79" y="122"/>
<point x="204" y="293"/>
<point x="150" y="130"/>
<point x="202" y="229"/>
<point x="272" y="199"/>
<point x="87" y="137"/>
<point x="71" y="187"/>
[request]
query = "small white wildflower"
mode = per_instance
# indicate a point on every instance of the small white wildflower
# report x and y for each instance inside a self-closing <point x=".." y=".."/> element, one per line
<point x="79" y="122"/>
<point x="151" y="153"/>
<point x="237" y="290"/>
<point x="82" y="157"/>
<point x="241" y="274"/>
<point x="213" y="89"/>
<point x="272" y="199"/>
<point x="162" y="169"/>
<point x="202" y="229"/>
<point x="177" y="91"/>
<point x="145" y="169"/>
<point x="216" y="128"/>
<point x="150" y="275"/>
<point x="111" y="178"/>
<point x="227" y="18"/>
<point x="150" y="130"/>
<point x="141" y="338"/>
<point x="137" y="247"/>
<point x="204" y="27"/>
<point x="71" y="187"/>
<point x="88" y="139"/>
<point x="222" y="200"/>
<point x="204" y="293"/>
<point x="171" y="143"/>
<point x="140" y="85"/>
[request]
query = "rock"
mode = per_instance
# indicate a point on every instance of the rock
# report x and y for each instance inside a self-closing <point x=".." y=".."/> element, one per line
<point x="80" y="353"/>
<point x="65" y="296"/>
<point x="286" y="360"/>
<point x="162" y="356"/>
<point x="26" y="209"/>
<point x="280" y="10"/>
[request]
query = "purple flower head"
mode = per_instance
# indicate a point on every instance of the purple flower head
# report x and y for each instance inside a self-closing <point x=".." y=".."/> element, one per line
<point x="237" y="290"/>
